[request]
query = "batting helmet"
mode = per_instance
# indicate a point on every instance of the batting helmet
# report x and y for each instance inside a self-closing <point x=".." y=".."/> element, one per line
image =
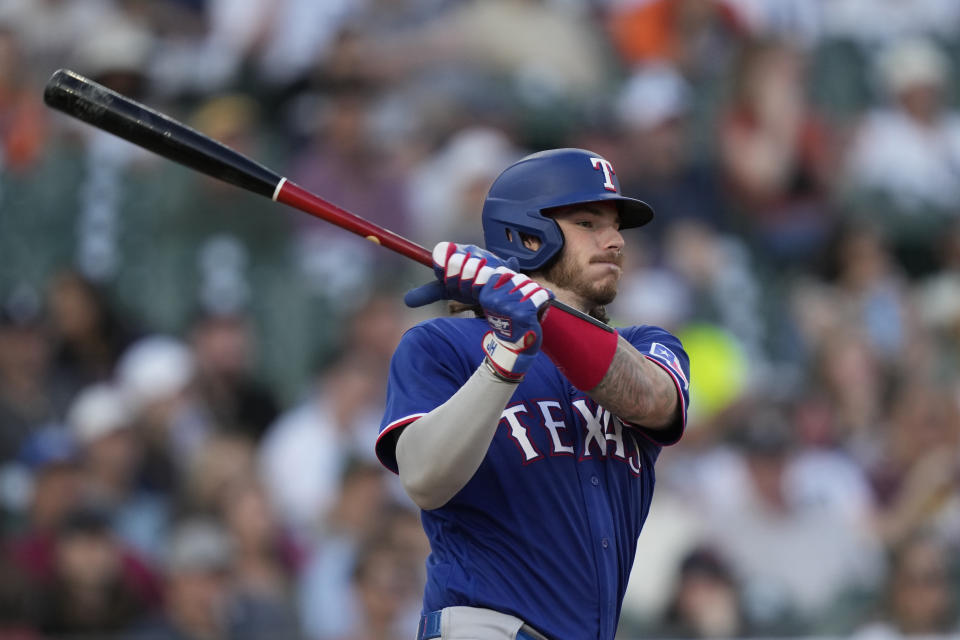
<point x="554" y="178"/>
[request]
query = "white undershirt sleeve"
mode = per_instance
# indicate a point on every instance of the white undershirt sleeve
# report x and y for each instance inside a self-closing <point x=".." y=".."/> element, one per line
<point x="438" y="453"/>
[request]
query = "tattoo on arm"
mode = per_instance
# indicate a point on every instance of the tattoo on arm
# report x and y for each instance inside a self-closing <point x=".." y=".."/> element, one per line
<point x="637" y="390"/>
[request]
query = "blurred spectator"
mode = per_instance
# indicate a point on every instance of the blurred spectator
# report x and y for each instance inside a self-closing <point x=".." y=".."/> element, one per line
<point x="919" y="597"/>
<point x="18" y="620"/>
<point x="23" y="121"/>
<point x="863" y="289"/>
<point x="448" y="188"/>
<point x="873" y="23"/>
<point x="706" y="600"/>
<point x="204" y="46"/>
<point x="304" y="452"/>
<point x="82" y="578"/>
<point x="687" y="33"/>
<point x="937" y="297"/>
<point x="521" y="45"/>
<point x="795" y="556"/>
<point x="375" y="328"/>
<point x="656" y="163"/>
<point x="262" y="566"/>
<point x="327" y="607"/>
<point x="698" y="38"/>
<point x="111" y="452"/>
<point x="50" y="30"/>
<point x="120" y="56"/>
<point x="51" y="458"/>
<point x="916" y="474"/>
<point x="775" y="154"/>
<point x="857" y="328"/>
<point x="870" y="290"/>
<point x="823" y="472"/>
<point x="96" y="586"/>
<point x="31" y="394"/>
<point x="264" y="562"/>
<point x="386" y="586"/>
<point x="852" y="378"/>
<point x="222" y="463"/>
<point x="300" y="35"/>
<point x="797" y="21"/>
<point x="155" y="375"/>
<point x="902" y="164"/>
<point x="88" y="334"/>
<point x="224" y="349"/>
<point x="197" y="585"/>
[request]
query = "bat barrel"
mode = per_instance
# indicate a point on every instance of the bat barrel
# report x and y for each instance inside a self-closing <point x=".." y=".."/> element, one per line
<point x="106" y="109"/>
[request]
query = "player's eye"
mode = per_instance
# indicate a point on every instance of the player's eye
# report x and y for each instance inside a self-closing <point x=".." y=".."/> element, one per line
<point x="586" y="224"/>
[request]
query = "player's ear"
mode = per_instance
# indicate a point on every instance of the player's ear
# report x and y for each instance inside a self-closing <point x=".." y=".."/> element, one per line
<point x="530" y="242"/>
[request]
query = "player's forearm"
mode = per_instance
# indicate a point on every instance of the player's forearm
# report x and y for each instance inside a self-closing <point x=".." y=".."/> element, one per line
<point x="596" y="359"/>
<point x="637" y="390"/>
<point x="439" y="453"/>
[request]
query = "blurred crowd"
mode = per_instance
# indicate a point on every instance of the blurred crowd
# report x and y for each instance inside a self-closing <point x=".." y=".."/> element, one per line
<point x="191" y="377"/>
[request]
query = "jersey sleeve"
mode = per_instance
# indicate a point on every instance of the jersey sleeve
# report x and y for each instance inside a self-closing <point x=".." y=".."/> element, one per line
<point x="425" y="371"/>
<point x="664" y="349"/>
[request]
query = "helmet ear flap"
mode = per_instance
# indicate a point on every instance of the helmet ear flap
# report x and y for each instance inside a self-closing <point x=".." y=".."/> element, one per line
<point x="504" y="234"/>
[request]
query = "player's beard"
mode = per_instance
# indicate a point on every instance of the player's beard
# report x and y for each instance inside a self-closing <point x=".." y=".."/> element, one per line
<point x="566" y="274"/>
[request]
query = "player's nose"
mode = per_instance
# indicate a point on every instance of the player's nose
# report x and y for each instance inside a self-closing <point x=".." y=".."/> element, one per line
<point x="613" y="240"/>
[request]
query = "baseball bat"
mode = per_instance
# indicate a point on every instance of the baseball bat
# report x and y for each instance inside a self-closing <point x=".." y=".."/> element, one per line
<point x="86" y="100"/>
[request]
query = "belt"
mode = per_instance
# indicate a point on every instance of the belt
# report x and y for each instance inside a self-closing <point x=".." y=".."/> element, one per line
<point x="430" y="628"/>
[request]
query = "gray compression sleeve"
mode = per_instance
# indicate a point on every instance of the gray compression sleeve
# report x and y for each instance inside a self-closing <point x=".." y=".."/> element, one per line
<point x="438" y="453"/>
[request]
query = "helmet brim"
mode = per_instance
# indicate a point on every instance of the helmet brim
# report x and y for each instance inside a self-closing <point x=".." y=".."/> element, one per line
<point x="633" y="212"/>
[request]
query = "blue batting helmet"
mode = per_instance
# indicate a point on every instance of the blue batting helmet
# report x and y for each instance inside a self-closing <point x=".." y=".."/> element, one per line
<point x="554" y="178"/>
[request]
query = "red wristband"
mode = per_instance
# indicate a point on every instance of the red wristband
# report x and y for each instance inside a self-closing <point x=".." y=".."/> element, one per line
<point x="580" y="346"/>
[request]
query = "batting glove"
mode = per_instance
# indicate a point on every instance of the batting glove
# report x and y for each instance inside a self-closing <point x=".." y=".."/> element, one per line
<point x="512" y="303"/>
<point x="461" y="270"/>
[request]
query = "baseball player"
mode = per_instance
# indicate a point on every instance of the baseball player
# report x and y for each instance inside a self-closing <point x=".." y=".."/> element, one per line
<point x="528" y="434"/>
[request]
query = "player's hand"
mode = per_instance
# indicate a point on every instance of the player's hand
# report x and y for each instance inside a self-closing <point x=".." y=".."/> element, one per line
<point x="461" y="270"/>
<point x="512" y="303"/>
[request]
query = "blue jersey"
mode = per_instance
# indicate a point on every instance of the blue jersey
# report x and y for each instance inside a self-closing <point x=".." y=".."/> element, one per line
<point x="547" y="527"/>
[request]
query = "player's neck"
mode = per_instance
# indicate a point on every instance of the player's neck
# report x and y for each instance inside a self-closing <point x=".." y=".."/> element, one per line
<point x="569" y="297"/>
<point x="573" y="299"/>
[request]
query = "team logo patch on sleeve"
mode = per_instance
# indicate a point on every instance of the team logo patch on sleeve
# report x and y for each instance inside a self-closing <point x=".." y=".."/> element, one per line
<point x="667" y="357"/>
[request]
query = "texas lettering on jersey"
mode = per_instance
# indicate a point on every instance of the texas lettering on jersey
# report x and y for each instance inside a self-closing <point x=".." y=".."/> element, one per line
<point x="603" y="435"/>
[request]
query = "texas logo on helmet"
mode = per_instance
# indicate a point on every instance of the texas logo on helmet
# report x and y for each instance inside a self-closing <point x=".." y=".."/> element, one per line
<point x="608" y="172"/>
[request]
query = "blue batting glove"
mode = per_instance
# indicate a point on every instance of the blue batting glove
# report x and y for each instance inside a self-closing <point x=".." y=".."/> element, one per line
<point x="511" y="302"/>
<point x="460" y="269"/>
